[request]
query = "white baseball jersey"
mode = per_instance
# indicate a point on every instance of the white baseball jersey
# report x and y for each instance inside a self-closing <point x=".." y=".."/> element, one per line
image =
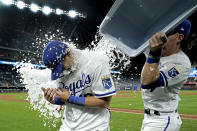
<point x="175" y="70"/>
<point x="91" y="77"/>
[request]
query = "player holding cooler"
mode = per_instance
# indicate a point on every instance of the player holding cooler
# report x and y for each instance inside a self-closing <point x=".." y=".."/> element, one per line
<point x="86" y="87"/>
<point x="166" y="69"/>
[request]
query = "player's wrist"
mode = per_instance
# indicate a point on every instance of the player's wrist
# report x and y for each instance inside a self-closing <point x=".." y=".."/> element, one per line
<point x="65" y="96"/>
<point x="154" y="56"/>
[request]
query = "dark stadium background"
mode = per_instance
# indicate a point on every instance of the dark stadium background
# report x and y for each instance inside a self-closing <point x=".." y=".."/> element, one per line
<point x="20" y="28"/>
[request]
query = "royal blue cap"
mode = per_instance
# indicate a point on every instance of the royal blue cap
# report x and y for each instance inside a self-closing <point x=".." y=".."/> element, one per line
<point x="184" y="28"/>
<point x="53" y="56"/>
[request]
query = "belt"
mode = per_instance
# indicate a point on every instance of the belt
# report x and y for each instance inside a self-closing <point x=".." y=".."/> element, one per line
<point x="149" y="112"/>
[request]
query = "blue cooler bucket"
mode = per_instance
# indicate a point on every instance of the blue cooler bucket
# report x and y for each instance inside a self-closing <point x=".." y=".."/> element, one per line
<point x="130" y="23"/>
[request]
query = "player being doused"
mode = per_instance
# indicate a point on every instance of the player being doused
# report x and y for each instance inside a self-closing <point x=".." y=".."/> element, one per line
<point x="86" y="86"/>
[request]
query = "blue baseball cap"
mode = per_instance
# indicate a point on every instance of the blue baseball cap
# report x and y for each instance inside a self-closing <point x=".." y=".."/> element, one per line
<point x="53" y="56"/>
<point x="184" y="28"/>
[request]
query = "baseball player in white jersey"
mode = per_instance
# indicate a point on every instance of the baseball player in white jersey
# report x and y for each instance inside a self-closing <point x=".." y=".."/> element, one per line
<point x="86" y="87"/>
<point x="166" y="69"/>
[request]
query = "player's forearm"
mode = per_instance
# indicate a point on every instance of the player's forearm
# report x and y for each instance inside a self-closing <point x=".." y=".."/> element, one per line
<point x="150" y="73"/>
<point x="92" y="101"/>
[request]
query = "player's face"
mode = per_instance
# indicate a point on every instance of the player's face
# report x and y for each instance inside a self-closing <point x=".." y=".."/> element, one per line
<point x="173" y="44"/>
<point x="68" y="61"/>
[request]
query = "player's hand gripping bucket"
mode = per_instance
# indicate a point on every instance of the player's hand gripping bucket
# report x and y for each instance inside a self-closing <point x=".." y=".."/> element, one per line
<point x="130" y="23"/>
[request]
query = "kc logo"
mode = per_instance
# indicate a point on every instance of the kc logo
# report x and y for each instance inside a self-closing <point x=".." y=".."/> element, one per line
<point x="173" y="72"/>
<point x="106" y="81"/>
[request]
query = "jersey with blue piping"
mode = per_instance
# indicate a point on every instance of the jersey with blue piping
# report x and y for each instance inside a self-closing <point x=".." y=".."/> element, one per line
<point x="174" y="70"/>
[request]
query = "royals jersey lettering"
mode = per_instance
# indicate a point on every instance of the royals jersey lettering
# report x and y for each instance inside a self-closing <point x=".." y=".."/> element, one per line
<point x="77" y="86"/>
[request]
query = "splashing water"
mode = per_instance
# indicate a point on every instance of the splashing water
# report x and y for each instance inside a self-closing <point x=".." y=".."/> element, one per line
<point x="35" y="79"/>
<point x="116" y="56"/>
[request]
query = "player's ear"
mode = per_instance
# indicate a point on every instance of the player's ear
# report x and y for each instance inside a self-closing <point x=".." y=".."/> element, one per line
<point x="180" y="37"/>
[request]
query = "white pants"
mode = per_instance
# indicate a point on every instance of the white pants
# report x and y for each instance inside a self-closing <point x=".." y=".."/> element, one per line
<point x="164" y="122"/>
<point x="65" y="128"/>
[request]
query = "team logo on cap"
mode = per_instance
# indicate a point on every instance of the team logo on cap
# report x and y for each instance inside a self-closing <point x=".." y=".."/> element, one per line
<point x="174" y="71"/>
<point x="182" y="29"/>
<point x="106" y="81"/>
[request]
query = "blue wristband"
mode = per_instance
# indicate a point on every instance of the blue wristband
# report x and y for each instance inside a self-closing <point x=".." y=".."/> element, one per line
<point x="154" y="57"/>
<point x="77" y="100"/>
<point x="151" y="60"/>
<point x="58" y="101"/>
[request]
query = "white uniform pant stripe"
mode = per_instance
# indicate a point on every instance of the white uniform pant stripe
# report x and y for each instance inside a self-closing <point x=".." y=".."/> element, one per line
<point x="167" y="123"/>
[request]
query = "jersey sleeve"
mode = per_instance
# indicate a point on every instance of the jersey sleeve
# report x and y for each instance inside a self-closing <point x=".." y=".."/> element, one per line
<point x="173" y="73"/>
<point x="103" y="84"/>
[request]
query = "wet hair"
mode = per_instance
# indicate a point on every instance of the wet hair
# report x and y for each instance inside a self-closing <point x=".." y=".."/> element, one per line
<point x="187" y="43"/>
<point x="184" y="44"/>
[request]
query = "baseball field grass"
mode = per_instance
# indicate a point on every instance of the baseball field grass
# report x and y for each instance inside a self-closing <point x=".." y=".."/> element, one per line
<point x="16" y="115"/>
